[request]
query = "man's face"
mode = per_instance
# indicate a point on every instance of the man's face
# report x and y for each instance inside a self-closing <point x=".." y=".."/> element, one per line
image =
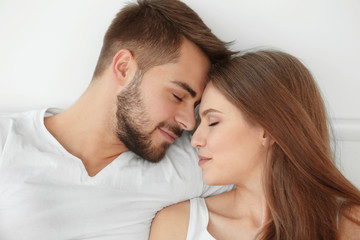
<point x="154" y="110"/>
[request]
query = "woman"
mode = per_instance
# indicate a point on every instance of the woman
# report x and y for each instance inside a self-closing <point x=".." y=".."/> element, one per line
<point x="264" y="128"/>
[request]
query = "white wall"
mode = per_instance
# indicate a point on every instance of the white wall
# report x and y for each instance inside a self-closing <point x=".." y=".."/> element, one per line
<point x="48" y="50"/>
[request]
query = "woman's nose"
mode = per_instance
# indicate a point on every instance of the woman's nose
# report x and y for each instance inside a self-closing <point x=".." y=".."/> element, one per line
<point x="198" y="140"/>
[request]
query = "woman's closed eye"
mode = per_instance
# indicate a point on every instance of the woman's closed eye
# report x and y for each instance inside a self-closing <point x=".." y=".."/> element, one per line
<point x="213" y="124"/>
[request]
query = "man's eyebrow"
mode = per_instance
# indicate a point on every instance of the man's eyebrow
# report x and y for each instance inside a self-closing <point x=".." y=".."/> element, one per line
<point x="210" y="110"/>
<point x="186" y="87"/>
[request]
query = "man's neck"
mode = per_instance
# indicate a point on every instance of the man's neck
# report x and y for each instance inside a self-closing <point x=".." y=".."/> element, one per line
<point x="87" y="130"/>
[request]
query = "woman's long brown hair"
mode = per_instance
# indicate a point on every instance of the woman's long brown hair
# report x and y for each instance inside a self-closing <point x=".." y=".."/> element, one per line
<point x="304" y="189"/>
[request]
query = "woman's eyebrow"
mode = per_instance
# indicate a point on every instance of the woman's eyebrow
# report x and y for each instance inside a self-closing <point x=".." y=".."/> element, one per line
<point x="210" y="110"/>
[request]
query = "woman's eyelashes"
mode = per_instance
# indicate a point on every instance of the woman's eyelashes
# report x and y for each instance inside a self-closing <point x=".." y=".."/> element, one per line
<point x="212" y="121"/>
<point x="212" y="124"/>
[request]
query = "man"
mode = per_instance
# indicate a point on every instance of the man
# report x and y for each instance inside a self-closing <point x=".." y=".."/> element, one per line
<point x="102" y="168"/>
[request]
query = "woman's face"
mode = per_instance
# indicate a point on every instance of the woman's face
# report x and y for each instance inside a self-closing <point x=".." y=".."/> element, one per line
<point x="231" y="148"/>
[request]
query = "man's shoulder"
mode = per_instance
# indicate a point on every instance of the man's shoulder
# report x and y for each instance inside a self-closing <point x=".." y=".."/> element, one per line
<point x="12" y="116"/>
<point x="16" y="119"/>
<point x="15" y="122"/>
<point x="184" y="140"/>
<point x="181" y="153"/>
<point x="182" y="145"/>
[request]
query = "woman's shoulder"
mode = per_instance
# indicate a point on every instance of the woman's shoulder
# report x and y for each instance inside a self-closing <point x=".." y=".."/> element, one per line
<point x="221" y="203"/>
<point x="171" y="222"/>
<point x="349" y="224"/>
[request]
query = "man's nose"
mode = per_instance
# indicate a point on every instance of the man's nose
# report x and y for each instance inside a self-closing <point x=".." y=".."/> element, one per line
<point x="186" y="118"/>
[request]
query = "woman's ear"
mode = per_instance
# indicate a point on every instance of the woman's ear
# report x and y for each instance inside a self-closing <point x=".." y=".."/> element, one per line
<point x="122" y="66"/>
<point x="266" y="139"/>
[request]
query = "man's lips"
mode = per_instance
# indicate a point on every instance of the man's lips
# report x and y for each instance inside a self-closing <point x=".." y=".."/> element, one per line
<point x="170" y="136"/>
<point x="203" y="160"/>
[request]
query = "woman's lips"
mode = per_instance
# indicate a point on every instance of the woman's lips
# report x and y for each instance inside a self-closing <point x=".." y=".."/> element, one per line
<point x="203" y="160"/>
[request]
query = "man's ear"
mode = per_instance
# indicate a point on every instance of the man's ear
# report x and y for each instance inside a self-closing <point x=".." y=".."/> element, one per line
<point x="122" y="66"/>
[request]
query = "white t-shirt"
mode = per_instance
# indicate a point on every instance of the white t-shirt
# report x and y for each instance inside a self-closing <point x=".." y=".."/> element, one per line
<point x="198" y="221"/>
<point x="46" y="193"/>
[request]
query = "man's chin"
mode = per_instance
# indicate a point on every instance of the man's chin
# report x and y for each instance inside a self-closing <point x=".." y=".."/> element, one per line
<point x="156" y="154"/>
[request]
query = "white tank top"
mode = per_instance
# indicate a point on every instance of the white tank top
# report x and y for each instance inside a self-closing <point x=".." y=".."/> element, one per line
<point x="198" y="221"/>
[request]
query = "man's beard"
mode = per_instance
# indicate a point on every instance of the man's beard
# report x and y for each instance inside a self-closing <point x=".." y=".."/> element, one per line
<point x="133" y="120"/>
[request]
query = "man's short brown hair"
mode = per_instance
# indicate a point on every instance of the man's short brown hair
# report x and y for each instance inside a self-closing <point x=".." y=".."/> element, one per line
<point x="153" y="30"/>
